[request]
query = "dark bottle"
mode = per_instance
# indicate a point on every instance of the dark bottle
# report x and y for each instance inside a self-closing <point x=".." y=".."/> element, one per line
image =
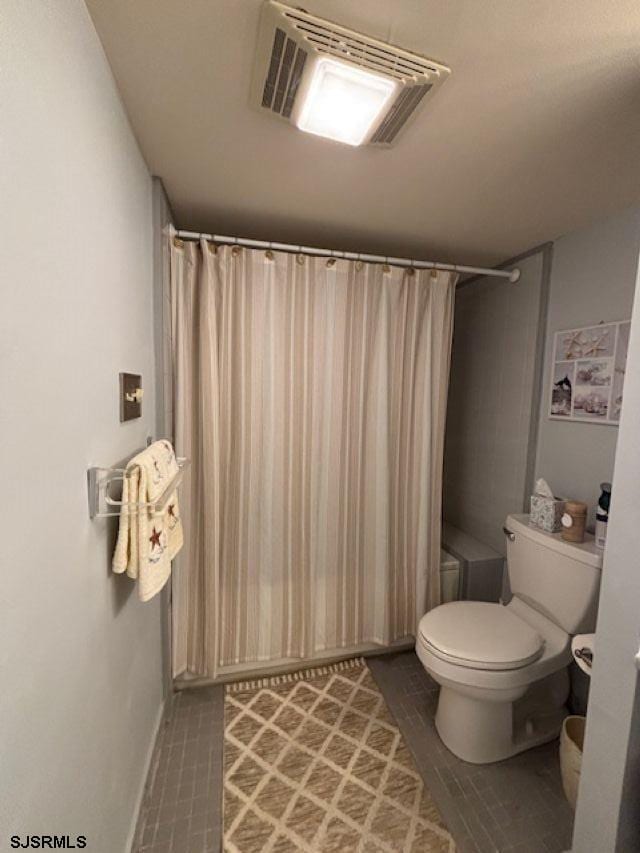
<point x="602" y="514"/>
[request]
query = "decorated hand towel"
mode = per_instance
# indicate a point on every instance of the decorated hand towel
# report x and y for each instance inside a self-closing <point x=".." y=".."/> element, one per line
<point x="148" y="542"/>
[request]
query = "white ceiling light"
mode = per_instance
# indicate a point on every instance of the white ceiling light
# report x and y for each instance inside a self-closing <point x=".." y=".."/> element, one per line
<point x="331" y="81"/>
<point x="343" y="102"/>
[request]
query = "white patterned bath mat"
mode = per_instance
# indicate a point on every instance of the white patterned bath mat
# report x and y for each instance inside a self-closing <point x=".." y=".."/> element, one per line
<point x="314" y="762"/>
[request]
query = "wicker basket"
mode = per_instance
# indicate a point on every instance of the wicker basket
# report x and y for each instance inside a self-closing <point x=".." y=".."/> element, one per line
<point x="571" y="745"/>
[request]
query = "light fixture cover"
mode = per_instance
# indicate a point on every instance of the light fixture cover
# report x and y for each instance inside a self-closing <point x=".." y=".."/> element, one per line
<point x="303" y="76"/>
<point x="343" y="102"/>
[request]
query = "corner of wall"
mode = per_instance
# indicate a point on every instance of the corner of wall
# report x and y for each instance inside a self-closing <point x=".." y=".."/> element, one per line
<point x="133" y="839"/>
<point x="162" y="220"/>
<point x="539" y="381"/>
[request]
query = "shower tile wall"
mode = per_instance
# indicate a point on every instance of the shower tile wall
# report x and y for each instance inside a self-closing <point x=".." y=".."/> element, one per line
<point x="493" y="400"/>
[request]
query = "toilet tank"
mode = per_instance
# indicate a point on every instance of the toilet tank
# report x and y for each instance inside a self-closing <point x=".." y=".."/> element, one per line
<point x="559" y="579"/>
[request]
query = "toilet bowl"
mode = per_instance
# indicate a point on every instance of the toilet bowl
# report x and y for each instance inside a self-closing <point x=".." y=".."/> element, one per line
<point x="487" y="658"/>
<point x="502" y="669"/>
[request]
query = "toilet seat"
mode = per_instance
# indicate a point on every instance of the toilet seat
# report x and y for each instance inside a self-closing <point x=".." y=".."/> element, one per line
<point x="480" y="635"/>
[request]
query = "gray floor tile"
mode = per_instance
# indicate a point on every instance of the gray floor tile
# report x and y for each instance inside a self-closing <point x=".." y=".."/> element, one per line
<point x="182" y="806"/>
<point x="516" y="804"/>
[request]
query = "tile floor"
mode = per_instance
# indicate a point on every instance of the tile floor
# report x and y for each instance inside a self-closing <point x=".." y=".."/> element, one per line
<point x="182" y="807"/>
<point x="516" y="806"/>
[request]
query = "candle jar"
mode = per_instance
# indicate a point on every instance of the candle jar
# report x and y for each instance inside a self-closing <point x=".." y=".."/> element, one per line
<point x="574" y="521"/>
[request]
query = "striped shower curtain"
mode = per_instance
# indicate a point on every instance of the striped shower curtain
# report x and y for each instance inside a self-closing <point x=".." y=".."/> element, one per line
<point x="310" y="395"/>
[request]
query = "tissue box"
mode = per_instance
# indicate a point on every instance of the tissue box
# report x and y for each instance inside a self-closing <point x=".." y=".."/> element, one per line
<point x="546" y="513"/>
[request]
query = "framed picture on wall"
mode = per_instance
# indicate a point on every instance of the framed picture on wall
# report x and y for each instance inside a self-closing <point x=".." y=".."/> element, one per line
<point x="587" y="373"/>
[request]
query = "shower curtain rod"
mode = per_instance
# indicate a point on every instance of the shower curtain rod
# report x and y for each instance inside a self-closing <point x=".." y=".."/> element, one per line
<point x="513" y="275"/>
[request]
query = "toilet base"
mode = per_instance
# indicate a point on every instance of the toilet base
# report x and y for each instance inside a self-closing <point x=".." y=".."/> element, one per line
<point x="482" y="730"/>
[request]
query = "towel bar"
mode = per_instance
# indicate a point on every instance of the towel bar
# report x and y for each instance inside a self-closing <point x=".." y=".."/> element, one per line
<point x="99" y="482"/>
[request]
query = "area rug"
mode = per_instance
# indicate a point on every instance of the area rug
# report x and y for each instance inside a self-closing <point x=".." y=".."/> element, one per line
<point x="314" y="762"/>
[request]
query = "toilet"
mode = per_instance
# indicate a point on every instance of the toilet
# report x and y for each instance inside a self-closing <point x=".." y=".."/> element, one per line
<point x="502" y="669"/>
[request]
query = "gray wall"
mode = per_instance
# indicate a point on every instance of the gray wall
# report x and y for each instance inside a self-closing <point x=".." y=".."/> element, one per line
<point x="608" y="812"/>
<point x="494" y="385"/>
<point x="80" y="656"/>
<point x="491" y="452"/>
<point x="592" y="278"/>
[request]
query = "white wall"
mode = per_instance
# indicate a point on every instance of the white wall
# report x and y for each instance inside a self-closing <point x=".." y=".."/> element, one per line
<point x="592" y="278"/>
<point x="491" y="396"/>
<point x="79" y="655"/>
<point x="608" y="812"/>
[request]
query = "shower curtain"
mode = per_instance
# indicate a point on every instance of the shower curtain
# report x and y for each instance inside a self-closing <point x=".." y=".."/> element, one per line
<point x="310" y="395"/>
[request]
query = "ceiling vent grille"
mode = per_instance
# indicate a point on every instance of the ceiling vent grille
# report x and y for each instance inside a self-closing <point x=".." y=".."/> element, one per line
<point x="407" y="101"/>
<point x="291" y="41"/>
<point x="284" y="74"/>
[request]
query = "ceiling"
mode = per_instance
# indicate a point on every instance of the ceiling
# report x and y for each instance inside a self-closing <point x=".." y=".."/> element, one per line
<point x="536" y="132"/>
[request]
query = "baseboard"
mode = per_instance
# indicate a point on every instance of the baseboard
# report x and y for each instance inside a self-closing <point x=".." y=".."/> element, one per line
<point x="131" y="839"/>
<point x="243" y="672"/>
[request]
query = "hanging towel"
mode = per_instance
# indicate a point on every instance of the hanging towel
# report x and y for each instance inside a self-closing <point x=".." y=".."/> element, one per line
<point x="148" y="542"/>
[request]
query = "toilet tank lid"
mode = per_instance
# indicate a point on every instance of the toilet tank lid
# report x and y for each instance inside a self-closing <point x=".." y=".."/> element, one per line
<point x="583" y="552"/>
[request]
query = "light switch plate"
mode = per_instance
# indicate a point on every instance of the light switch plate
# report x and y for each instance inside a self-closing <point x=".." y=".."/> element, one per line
<point x="129" y="385"/>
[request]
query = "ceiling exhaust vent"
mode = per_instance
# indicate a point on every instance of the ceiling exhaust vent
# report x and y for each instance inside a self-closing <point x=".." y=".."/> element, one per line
<point x="334" y="82"/>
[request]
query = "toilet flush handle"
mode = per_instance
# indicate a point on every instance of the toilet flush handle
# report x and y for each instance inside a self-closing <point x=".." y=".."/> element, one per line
<point x="509" y="534"/>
